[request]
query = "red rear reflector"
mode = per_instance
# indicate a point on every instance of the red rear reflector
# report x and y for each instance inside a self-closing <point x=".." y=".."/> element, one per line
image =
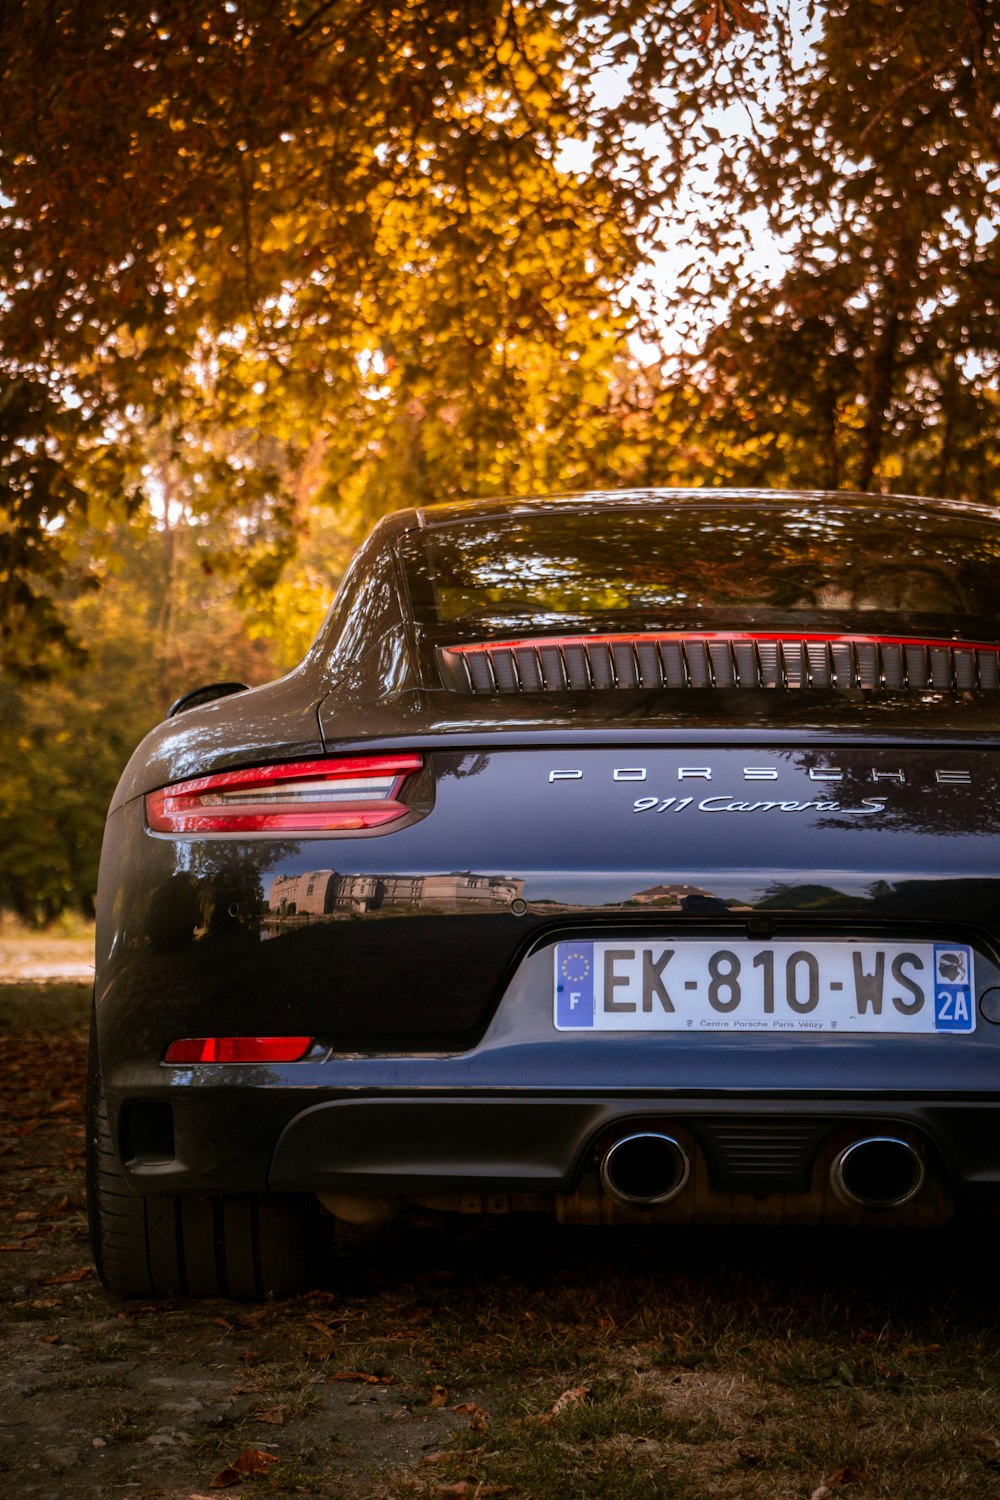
<point x="308" y="796"/>
<point x="238" y="1049"/>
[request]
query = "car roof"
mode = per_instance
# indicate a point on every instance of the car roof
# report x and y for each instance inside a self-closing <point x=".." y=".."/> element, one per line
<point x="703" y="498"/>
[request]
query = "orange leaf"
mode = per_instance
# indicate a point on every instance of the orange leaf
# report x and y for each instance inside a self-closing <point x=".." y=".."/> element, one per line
<point x="322" y="1326"/>
<point x="320" y="1353"/>
<point x="571" y="1397"/>
<point x="478" y="1418"/>
<point x="80" y="1275"/>
<point x="275" y="1415"/>
<point x="251" y="1462"/>
<point x="255" y="1461"/>
<point x="225" y="1478"/>
<point x="438" y="1396"/>
<point x="361" y="1377"/>
<point x="471" y="1487"/>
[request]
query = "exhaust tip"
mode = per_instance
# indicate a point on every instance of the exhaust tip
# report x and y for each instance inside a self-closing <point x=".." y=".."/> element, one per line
<point x="645" y="1169"/>
<point x="880" y="1171"/>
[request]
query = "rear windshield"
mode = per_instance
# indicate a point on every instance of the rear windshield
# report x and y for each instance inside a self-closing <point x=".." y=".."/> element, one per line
<point x="687" y="564"/>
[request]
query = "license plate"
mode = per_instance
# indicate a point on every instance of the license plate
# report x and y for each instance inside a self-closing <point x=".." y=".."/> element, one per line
<point x="827" y="986"/>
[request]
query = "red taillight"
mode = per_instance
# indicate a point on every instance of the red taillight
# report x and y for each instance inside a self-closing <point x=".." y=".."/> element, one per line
<point x="238" y="1049"/>
<point x="299" y="797"/>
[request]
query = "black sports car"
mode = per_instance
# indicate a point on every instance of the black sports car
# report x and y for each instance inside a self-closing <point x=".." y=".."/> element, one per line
<point x="631" y="857"/>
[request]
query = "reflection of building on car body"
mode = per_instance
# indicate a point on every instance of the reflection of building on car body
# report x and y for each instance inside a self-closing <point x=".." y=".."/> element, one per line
<point x="322" y="892"/>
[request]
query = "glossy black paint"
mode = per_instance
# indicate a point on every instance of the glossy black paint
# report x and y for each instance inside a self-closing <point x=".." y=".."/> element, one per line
<point x="207" y="694"/>
<point x="436" y="1065"/>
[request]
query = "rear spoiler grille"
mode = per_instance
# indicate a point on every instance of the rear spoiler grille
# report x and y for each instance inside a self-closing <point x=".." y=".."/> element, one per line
<point x="718" y="659"/>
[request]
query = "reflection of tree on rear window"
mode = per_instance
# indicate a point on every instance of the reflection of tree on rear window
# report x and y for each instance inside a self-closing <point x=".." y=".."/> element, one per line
<point x="906" y="590"/>
<point x="683" y="566"/>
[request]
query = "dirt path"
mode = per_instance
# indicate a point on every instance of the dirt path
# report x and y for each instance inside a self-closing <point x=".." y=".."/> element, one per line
<point x="33" y="956"/>
<point x="471" y="1358"/>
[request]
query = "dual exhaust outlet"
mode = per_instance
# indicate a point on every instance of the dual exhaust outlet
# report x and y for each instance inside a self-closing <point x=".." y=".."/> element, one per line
<point x="650" y="1168"/>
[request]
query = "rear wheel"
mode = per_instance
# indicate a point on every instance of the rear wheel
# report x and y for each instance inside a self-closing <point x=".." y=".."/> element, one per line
<point x="245" y="1246"/>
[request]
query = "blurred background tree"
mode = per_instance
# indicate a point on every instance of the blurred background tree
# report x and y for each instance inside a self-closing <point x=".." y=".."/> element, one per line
<point x="871" y="363"/>
<point x="270" y="268"/>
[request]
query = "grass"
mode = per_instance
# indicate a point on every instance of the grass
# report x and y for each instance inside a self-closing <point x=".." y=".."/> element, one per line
<point x="695" y="1436"/>
<point x="300" y="1478"/>
<point x="128" y="1418"/>
<point x="107" y="1351"/>
<point x="738" y="1366"/>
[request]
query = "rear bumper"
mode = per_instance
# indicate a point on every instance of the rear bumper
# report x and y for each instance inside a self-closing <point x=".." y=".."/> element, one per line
<point x="524" y="1145"/>
<point x="238" y="1140"/>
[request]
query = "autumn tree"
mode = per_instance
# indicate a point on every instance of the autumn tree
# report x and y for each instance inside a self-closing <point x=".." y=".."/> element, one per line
<point x="259" y="254"/>
<point x="340" y="237"/>
<point x="158" y="626"/>
<point x="873" y="361"/>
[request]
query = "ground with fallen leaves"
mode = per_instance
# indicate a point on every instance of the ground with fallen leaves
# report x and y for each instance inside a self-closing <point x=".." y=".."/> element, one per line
<point x="468" y="1357"/>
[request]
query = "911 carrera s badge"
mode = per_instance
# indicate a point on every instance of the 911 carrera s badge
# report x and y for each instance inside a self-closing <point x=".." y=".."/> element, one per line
<point x="727" y="804"/>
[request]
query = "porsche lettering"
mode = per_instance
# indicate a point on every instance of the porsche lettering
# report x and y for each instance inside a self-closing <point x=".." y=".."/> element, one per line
<point x="942" y="776"/>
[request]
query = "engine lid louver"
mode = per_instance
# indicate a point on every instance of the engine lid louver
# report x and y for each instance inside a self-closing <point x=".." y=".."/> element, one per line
<point x="719" y="659"/>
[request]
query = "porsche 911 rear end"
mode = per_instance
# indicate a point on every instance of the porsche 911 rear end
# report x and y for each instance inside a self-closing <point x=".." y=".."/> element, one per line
<point x="629" y="858"/>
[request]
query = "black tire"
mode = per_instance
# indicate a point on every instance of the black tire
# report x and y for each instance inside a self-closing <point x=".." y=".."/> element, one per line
<point x="246" y="1247"/>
